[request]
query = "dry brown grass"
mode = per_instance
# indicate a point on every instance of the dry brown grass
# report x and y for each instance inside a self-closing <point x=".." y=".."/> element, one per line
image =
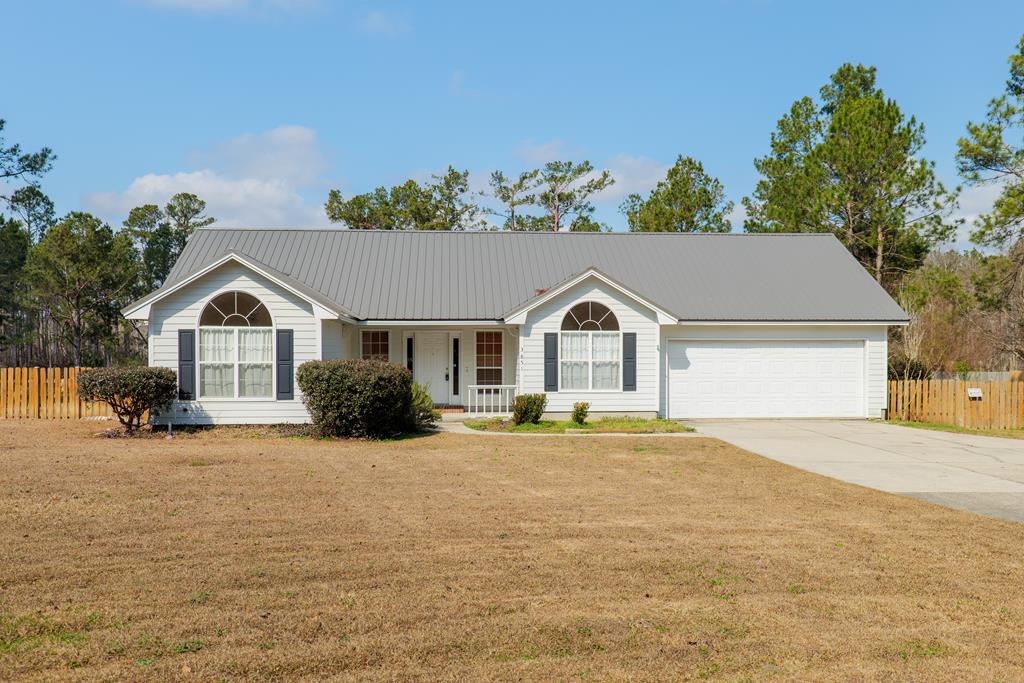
<point x="229" y="555"/>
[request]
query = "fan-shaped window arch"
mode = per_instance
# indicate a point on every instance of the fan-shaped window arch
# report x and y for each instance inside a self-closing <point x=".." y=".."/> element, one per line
<point x="589" y="316"/>
<point x="235" y="309"/>
<point x="236" y="348"/>
<point x="590" y="349"/>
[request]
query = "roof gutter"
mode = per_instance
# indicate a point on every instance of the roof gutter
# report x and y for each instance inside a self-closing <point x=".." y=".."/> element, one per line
<point x="887" y="323"/>
<point x="425" y="323"/>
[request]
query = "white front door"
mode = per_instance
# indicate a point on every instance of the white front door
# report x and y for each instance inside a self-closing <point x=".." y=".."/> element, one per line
<point x="811" y="378"/>
<point x="430" y="363"/>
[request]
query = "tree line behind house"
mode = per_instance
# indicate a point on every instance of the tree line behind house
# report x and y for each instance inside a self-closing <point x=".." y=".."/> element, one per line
<point x="847" y="161"/>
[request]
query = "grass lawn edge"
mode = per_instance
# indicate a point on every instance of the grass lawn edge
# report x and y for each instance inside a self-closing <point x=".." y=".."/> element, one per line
<point x="954" y="429"/>
<point x="604" y="425"/>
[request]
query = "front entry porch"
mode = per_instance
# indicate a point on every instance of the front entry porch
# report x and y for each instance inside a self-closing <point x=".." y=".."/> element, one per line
<point x="437" y="358"/>
<point x="468" y="370"/>
<point x="482" y="400"/>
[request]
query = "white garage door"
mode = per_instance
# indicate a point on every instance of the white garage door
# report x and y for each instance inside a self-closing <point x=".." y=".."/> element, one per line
<point x="766" y="379"/>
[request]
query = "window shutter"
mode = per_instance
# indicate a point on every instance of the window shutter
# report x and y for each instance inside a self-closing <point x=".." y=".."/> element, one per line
<point x="285" y="365"/>
<point x="186" y="365"/>
<point x="550" y="361"/>
<point x="629" y="361"/>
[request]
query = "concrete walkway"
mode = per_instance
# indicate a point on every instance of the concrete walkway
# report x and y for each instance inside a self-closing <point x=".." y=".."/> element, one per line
<point x="457" y="427"/>
<point x="978" y="473"/>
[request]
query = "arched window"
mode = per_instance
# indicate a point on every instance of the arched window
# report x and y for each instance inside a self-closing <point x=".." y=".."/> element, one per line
<point x="590" y="316"/>
<point x="590" y="349"/>
<point x="236" y="348"/>
<point x="235" y="309"/>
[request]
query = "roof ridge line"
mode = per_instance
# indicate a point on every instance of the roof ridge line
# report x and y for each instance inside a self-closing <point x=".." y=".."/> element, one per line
<point x="522" y="232"/>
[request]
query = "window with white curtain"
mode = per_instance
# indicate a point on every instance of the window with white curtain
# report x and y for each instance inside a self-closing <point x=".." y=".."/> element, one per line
<point x="236" y="348"/>
<point x="590" y="349"/>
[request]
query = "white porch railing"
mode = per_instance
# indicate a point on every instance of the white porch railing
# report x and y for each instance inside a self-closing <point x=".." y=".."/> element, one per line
<point x="490" y="399"/>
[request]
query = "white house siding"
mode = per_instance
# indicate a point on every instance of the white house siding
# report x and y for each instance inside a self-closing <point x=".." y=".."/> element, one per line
<point x="874" y="336"/>
<point x="332" y="339"/>
<point x="467" y="349"/>
<point x="181" y="310"/>
<point x="632" y="316"/>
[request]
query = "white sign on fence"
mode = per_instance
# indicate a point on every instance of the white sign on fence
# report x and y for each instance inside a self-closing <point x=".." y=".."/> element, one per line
<point x="974" y="393"/>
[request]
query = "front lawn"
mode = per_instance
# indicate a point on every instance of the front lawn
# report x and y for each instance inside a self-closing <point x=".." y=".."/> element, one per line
<point x="216" y="556"/>
<point x="603" y="425"/>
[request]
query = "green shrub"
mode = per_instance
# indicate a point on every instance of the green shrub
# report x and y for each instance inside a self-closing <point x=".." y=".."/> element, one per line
<point x="579" y="412"/>
<point x="423" y="414"/>
<point x="366" y="398"/>
<point x="129" y="392"/>
<point x="528" y="408"/>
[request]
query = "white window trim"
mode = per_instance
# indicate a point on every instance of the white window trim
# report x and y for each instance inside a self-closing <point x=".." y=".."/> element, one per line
<point x="590" y="362"/>
<point x="236" y="363"/>
<point x="386" y="332"/>
<point x="476" y="360"/>
<point x="273" y="350"/>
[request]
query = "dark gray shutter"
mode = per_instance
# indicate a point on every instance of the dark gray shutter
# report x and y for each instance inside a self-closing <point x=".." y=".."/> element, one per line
<point x="550" y="361"/>
<point x="629" y="361"/>
<point x="186" y="365"/>
<point x="285" y="365"/>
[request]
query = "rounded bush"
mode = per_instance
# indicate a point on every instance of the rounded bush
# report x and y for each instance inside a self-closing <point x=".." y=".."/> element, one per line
<point x="364" y="398"/>
<point x="528" y="408"/>
<point x="129" y="392"/>
<point x="580" y="410"/>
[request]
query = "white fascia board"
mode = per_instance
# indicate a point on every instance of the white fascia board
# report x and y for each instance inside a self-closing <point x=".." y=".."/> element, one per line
<point x="138" y="313"/>
<point x="518" y="316"/>
<point x="792" y="323"/>
<point x="321" y="313"/>
<point x="430" y="323"/>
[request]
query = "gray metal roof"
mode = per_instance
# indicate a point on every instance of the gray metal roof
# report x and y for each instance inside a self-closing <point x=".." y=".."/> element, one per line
<point x="397" y="275"/>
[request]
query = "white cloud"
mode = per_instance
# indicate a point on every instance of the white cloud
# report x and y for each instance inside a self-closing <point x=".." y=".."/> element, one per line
<point x="637" y="174"/>
<point x="234" y="202"/>
<point x="254" y="180"/>
<point x="542" y="153"/>
<point x="631" y="173"/>
<point x="737" y="216"/>
<point x="974" y="201"/>
<point x="287" y="153"/>
<point x="479" y="181"/>
<point x="381" y="24"/>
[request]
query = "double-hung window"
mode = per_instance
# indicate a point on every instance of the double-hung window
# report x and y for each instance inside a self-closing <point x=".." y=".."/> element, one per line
<point x="590" y="349"/>
<point x="488" y="357"/>
<point x="375" y="345"/>
<point x="236" y="348"/>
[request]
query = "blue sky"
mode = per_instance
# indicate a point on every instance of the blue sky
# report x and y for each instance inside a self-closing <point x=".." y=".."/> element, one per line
<point x="261" y="106"/>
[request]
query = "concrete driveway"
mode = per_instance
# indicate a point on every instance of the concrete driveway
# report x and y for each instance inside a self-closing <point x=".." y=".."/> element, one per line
<point x="978" y="473"/>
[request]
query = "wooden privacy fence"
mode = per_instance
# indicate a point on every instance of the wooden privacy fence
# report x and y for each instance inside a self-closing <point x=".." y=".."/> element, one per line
<point x="994" y="405"/>
<point x="44" y="393"/>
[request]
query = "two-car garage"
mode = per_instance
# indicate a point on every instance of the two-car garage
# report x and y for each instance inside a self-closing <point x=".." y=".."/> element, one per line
<point x="766" y="378"/>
